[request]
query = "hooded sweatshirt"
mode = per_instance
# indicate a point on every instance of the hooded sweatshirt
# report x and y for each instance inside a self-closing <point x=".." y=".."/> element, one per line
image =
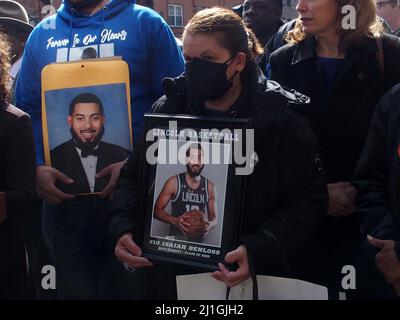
<point x="120" y="28"/>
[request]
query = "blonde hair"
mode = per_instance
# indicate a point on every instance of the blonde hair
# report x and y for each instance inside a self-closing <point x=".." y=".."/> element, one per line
<point x="228" y="28"/>
<point x="367" y="24"/>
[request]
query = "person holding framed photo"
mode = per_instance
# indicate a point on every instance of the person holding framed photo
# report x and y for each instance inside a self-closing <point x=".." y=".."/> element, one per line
<point x="285" y="195"/>
<point x="75" y="227"/>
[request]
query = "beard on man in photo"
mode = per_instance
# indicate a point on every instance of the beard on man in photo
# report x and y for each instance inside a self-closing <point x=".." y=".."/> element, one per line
<point x="194" y="170"/>
<point x="87" y="147"/>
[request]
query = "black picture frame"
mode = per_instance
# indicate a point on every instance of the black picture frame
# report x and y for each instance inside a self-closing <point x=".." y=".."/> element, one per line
<point x="216" y="135"/>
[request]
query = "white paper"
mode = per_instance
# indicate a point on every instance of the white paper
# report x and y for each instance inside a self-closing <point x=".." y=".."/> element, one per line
<point x="203" y="287"/>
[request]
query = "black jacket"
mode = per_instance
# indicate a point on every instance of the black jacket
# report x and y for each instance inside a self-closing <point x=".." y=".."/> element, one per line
<point x="340" y="118"/>
<point x="286" y="194"/>
<point x="66" y="159"/>
<point x="378" y="173"/>
<point x="275" y="42"/>
<point x="17" y="180"/>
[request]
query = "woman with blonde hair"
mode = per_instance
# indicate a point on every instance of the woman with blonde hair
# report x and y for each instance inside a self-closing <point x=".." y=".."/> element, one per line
<point x="338" y="56"/>
<point x="286" y="195"/>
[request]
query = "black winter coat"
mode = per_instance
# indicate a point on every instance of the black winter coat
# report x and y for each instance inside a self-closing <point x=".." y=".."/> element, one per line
<point x="340" y="118"/>
<point x="286" y="195"/>
<point x="17" y="181"/>
<point x="378" y="173"/>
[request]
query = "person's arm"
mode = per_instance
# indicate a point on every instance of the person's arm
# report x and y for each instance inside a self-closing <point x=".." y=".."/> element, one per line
<point x="167" y="193"/>
<point x="124" y="210"/>
<point x="212" y="207"/>
<point x="281" y="236"/>
<point x="19" y="168"/>
<point x="387" y="261"/>
<point x="125" y="197"/>
<point x="379" y="226"/>
<point x="301" y="188"/>
<point x="371" y="174"/>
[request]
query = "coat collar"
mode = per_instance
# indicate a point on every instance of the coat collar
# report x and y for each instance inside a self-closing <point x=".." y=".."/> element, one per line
<point x="306" y="48"/>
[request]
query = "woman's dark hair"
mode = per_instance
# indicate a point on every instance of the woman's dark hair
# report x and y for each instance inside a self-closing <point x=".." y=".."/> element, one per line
<point x="229" y="30"/>
<point x="4" y="70"/>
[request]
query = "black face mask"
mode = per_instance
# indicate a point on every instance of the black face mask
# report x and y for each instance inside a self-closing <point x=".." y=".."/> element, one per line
<point x="207" y="80"/>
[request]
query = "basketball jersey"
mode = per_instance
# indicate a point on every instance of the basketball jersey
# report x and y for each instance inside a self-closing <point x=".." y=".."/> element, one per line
<point x="187" y="199"/>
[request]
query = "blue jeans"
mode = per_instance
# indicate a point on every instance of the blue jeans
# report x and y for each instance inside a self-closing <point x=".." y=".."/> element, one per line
<point x="76" y="236"/>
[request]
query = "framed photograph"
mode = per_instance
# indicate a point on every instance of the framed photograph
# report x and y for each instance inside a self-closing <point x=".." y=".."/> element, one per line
<point x="86" y="118"/>
<point x="192" y="194"/>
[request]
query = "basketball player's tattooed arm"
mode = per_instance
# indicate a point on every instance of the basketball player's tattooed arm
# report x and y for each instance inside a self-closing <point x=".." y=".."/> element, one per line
<point x="167" y="193"/>
<point x="211" y="207"/>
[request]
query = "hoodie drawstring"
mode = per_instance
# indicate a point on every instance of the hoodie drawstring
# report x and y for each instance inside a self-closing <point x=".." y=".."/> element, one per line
<point x="70" y="33"/>
<point x="105" y="9"/>
<point x="70" y="38"/>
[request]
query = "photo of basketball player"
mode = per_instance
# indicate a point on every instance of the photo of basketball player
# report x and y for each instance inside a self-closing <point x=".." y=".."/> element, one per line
<point x="192" y="198"/>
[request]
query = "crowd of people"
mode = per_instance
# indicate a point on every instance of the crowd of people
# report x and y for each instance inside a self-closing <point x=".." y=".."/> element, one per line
<point x="323" y="102"/>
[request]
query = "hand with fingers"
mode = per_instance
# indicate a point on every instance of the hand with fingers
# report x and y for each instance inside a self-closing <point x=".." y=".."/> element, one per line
<point x="342" y="199"/>
<point x="242" y="273"/>
<point x="128" y="252"/>
<point x="46" y="178"/>
<point x="113" y="170"/>
<point x="181" y="224"/>
<point x="396" y="284"/>
<point x="387" y="262"/>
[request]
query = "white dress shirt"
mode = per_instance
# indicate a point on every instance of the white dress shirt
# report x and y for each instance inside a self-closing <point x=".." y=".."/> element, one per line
<point x="89" y="165"/>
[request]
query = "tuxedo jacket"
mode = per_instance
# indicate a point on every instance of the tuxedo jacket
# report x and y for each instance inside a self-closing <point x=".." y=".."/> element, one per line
<point x="66" y="159"/>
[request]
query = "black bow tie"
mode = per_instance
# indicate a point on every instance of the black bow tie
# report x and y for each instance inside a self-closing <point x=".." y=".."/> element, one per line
<point x="87" y="152"/>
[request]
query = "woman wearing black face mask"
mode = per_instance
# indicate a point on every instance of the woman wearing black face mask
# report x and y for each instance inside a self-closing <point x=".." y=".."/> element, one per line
<point x="285" y="197"/>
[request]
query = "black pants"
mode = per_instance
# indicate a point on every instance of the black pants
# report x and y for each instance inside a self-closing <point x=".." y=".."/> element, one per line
<point x="76" y="235"/>
<point x="13" y="272"/>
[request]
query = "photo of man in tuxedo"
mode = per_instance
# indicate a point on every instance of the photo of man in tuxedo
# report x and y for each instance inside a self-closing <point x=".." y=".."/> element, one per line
<point x="85" y="155"/>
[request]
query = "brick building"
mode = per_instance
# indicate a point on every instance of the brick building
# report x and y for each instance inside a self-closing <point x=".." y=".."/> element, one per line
<point x="37" y="10"/>
<point x="176" y="12"/>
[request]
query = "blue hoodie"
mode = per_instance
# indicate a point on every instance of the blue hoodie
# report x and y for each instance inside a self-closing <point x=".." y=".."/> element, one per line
<point x="121" y="28"/>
